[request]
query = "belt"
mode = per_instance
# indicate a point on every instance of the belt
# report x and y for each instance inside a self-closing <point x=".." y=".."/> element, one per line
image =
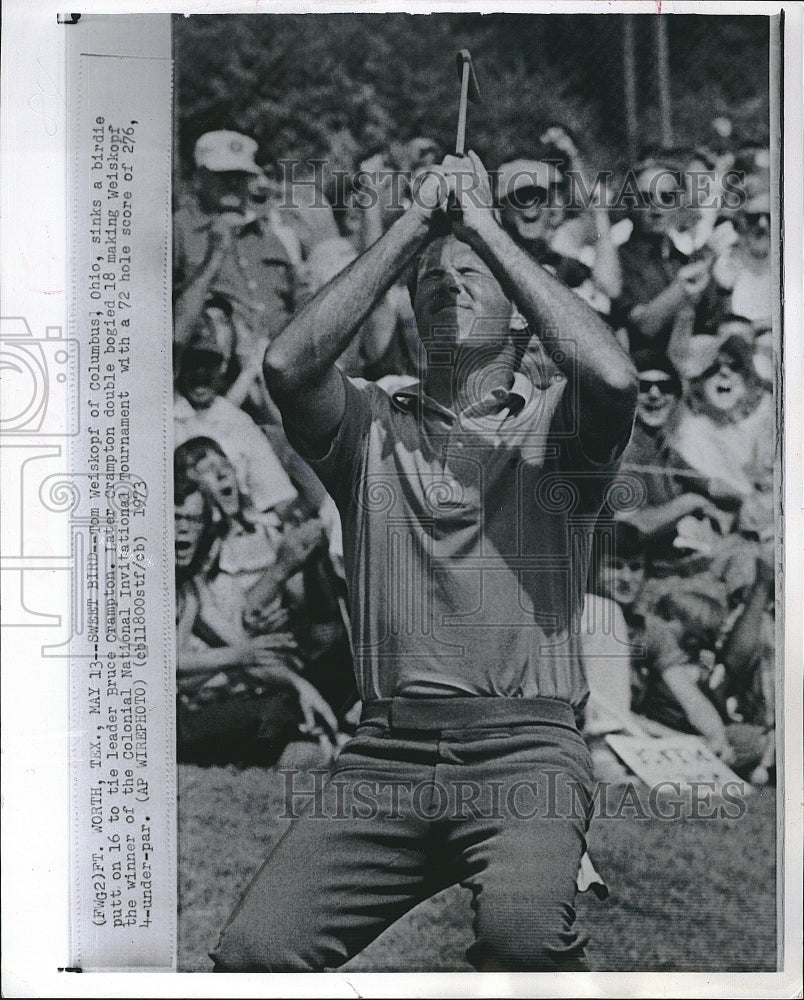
<point x="434" y="714"/>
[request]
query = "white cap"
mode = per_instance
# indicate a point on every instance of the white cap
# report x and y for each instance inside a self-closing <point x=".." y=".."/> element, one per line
<point x="226" y="151"/>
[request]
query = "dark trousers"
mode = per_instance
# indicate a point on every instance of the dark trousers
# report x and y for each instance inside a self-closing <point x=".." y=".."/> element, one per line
<point x="427" y="795"/>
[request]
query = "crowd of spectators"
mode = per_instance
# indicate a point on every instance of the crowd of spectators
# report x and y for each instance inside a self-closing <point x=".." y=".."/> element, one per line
<point x="674" y="252"/>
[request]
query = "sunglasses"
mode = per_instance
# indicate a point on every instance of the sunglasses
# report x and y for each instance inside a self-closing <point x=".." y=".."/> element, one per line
<point x="733" y="365"/>
<point x="664" y="386"/>
<point x="619" y="564"/>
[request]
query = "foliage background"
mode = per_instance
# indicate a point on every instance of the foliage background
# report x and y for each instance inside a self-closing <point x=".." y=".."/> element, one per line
<point x="343" y="86"/>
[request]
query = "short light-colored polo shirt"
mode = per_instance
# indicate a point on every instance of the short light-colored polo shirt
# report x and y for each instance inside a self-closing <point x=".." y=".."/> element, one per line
<point x="466" y="540"/>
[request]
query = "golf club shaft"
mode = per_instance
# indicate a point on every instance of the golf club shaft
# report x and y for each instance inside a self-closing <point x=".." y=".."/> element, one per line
<point x="460" y="141"/>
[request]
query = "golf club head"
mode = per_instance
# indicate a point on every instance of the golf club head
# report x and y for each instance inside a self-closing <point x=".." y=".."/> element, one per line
<point x="464" y="58"/>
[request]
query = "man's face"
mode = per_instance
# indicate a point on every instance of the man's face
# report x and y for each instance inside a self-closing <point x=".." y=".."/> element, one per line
<point x="200" y="378"/>
<point x="724" y="387"/>
<point x="458" y="299"/>
<point x="217" y="475"/>
<point x="223" y="190"/>
<point x="660" y="198"/>
<point x="754" y="229"/>
<point x="621" y="578"/>
<point x="189" y="527"/>
<point x="657" y="399"/>
<point x="533" y="212"/>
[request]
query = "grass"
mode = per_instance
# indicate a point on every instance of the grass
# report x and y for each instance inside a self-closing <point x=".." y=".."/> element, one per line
<point x="686" y="895"/>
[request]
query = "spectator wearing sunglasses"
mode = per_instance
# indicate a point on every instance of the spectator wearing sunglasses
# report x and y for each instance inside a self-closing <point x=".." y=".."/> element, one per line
<point x="725" y="418"/>
<point x="726" y="429"/>
<point x="531" y="195"/>
<point x="677" y="505"/>
<point x="743" y="271"/>
<point x="659" y="281"/>
<point x="543" y="211"/>
<point x="685" y="520"/>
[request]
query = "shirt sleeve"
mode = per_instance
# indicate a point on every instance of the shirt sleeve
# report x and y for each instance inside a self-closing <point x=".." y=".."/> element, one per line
<point x="340" y="466"/>
<point x="580" y="448"/>
<point x="267" y="482"/>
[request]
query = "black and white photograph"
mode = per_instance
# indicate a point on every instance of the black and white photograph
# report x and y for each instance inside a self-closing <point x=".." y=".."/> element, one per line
<point x="474" y="364"/>
<point x="424" y="459"/>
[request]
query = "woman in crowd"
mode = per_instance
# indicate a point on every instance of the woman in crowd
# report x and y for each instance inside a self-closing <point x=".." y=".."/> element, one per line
<point x="725" y="429"/>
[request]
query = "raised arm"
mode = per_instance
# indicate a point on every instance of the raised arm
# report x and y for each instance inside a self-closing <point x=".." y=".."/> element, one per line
<point x="299" y="366"/>
<point x="606" y="272"/>
<point x="190" y="300"/>
<point x="606" y="378"/>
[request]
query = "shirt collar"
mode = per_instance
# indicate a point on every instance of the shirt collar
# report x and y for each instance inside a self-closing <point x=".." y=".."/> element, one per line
<point x="414" y="399"/>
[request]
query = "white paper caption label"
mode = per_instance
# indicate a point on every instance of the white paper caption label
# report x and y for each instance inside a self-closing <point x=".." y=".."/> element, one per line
<point x="122" y="654"/>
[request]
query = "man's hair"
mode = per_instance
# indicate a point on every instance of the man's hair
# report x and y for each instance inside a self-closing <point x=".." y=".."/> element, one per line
<point x="187" y="456"/>
<point x="184" y="488"/>
<point x="627" y="541"/>
<point x="700" y="615"/>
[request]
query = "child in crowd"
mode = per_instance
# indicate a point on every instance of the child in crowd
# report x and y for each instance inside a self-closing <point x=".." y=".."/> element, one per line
<point x="238" y="677"/>
<point x="199" y="409"/>
<point x="271" y="574"/>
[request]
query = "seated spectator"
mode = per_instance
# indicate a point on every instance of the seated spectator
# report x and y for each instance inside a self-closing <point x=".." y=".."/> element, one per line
<point x="247" y="537"/>
<point x="248" y="547"/>
<point x="726" y="427"/>
<point x="200" y="411"/>
<point x="743" y="269"/>
<point x="238" y="674"/>
<point x="246" y="388"/>
<point x="678" y="498"/>
<point x="693" y="670"/>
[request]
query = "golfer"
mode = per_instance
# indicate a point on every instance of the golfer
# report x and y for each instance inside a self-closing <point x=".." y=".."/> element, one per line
<point x="467" y="505"/>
